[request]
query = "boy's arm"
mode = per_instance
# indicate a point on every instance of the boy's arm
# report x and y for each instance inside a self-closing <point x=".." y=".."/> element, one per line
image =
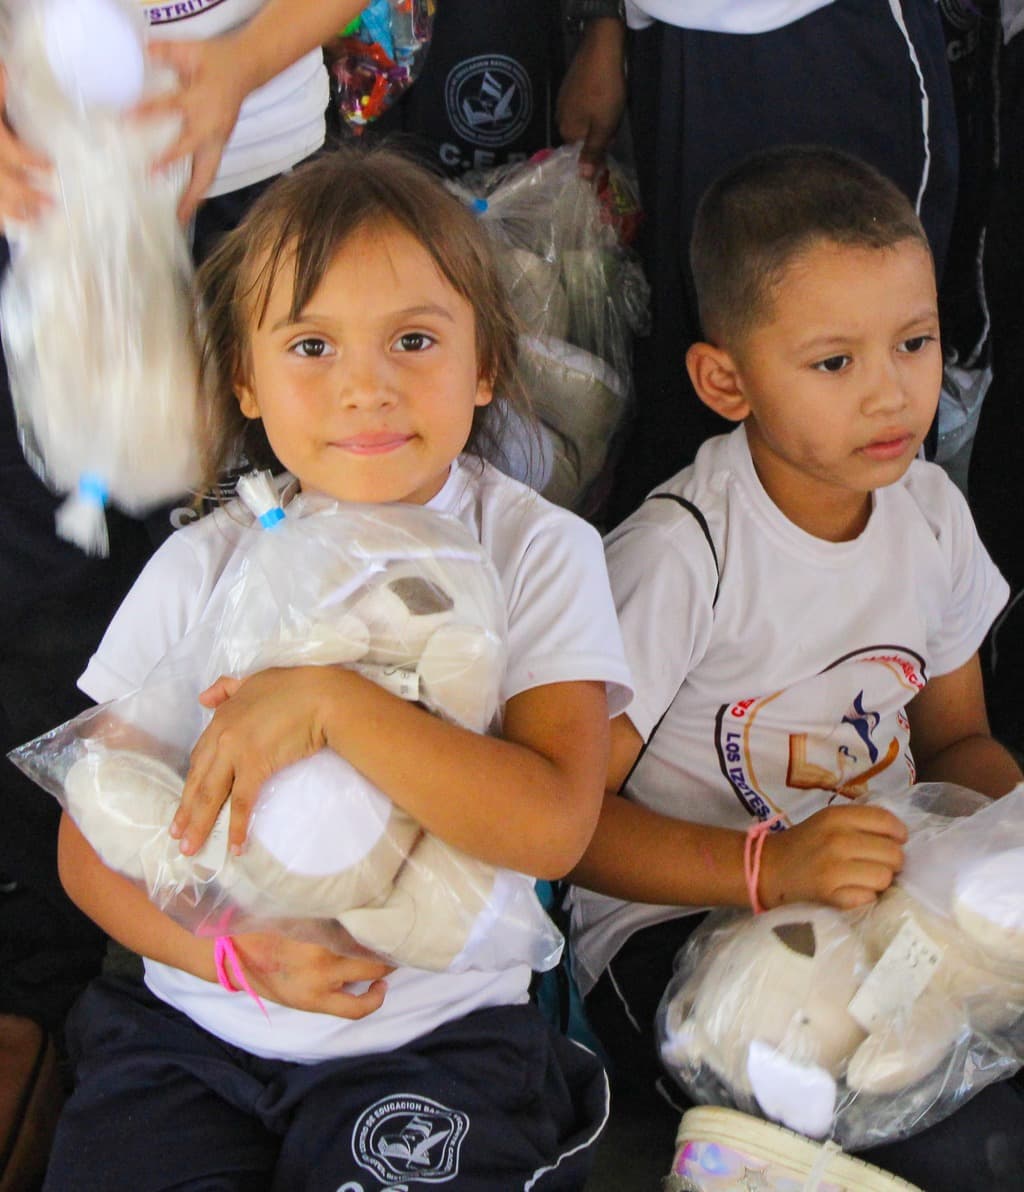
<point x="844" y="856"/>
<point x="285" y="971"/>
<point x="950" y="735"/>
<point x="593" y="93"/>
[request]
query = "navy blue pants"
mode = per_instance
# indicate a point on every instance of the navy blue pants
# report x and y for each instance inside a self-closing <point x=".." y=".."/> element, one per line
<point x="488" y="1103"/>
<point x="980" y="1148"/>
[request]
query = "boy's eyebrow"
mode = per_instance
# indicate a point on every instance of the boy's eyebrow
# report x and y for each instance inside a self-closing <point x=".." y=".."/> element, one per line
<point x="829" y="338"/>
<point x="407" y="312"/>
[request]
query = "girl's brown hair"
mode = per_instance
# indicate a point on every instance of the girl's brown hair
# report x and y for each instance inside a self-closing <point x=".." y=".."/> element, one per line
<point x="300" y="223"/>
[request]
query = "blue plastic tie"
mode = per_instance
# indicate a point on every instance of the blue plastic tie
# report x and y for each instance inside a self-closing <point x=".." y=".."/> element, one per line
<point x="92" y="489"/>
<point x="478" y="206"/>
<point x="270" y="519"/>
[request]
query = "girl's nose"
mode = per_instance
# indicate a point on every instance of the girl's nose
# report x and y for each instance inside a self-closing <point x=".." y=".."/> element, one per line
<point x="366" y="382"/>
<point x="886" y="392"/>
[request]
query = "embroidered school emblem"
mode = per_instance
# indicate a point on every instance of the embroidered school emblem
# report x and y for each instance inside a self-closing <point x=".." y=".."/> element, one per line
<point x="410" y="1138"/>
<point x="489" y="99"/>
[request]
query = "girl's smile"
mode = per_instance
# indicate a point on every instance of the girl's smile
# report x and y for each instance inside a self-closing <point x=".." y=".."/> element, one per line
<point x="368" y="394"/>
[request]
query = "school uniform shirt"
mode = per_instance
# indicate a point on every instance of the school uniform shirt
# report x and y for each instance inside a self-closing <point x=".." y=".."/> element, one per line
<point x="788" y="691"/>
<point x="561" y="628"/>
<point x="281" y="122"/>
<point x="721" y="16"/>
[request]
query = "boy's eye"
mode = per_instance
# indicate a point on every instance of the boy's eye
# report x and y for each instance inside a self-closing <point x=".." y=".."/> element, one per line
<point x="310" y="347"/>
<point x="916" y="343"/>
<point x="832" y="364"/>
<point x="414" y="341"/>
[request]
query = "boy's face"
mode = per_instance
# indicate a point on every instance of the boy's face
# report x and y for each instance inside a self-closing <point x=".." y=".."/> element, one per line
<point x="368" y="395"/>
<point x="841" y="382"/>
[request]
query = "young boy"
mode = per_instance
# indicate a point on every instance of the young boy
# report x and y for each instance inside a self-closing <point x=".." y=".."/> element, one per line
<point x="802" y="606"/>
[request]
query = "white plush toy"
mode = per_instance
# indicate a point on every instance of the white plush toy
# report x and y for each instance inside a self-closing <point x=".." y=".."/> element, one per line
<point x="407" y="597"/>
<point x="865" y="1026"/>
<point x="97" y="307"/>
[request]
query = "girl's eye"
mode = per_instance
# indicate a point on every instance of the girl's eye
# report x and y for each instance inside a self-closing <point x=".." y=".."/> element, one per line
<point x="310" y="348"/>
<point x="832" y="364"/>
<point x="414" y="341"/>
<point x="916" y="343"/>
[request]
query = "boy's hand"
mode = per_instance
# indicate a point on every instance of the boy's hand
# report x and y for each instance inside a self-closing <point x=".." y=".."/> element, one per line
<point x="308" y="977"/>
<point x="842" y="856"/>
<point x="260" y="725"/>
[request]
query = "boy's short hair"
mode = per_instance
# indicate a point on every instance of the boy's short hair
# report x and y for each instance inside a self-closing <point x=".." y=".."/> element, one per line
<point x="772" y="206"/>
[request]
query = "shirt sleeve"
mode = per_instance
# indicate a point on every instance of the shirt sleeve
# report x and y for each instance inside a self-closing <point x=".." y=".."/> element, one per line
<point x="154" y="616"/>
<point x="663" y="576"/>
<point x="562" y="623"/>
<point x="977" y="590"/>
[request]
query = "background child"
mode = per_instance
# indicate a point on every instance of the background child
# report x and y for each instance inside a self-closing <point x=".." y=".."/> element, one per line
<point x="358" y="333"/>
<point x="802" y="607"/>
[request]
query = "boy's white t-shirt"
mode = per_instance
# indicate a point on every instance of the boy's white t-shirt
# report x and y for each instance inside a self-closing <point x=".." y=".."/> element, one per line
<point x="721" y="16"/>
<point x="562" y="628"/>
<point x="281" y="122"/>
<point x="791" y="691"/>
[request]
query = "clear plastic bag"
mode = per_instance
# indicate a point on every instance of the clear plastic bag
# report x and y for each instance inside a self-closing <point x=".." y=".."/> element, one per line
<point x="377" y="57"/>
<point x="97" y="307"/>
<point x="581" y="296"/>
<point x="866" y="1026"/>
<point x="407" y="597"/>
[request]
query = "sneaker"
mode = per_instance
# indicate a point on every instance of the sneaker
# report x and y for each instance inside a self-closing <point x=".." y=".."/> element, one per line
<point x="723" y="1150"/>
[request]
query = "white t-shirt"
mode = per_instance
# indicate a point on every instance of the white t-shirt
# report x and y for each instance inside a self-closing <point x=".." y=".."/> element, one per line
<point x="791" y="691"/>
<point x="562" y="628"/>
<point x="281" y="122"/>
<point x="721" y="16"/>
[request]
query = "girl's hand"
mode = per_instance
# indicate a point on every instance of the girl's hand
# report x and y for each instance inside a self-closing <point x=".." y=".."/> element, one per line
<point x="20" y="199"/>
<point x="843" y="856"/>
<point x="261" y="724"/>
<point x="212" y="87"/>
<point x="308" y="977"/>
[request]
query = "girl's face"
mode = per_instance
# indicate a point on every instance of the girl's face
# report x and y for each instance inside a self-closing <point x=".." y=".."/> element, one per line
<point x="369" y="394"/>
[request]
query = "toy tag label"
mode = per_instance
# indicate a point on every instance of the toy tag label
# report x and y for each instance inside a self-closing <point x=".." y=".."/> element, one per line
<point x="214" y="852"/>
<point x="396" y="679"/>
<point x="898" y="979"/>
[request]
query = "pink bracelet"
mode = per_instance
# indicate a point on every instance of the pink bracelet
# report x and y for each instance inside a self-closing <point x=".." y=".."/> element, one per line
<point x="225" y="954"/>
<point x="753" y="846"/>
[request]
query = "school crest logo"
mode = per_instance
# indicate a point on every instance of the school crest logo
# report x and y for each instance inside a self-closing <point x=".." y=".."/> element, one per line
<point x="410" y="1139"/>
<point x="489" y="100"/>
<point x="852" y="738"/>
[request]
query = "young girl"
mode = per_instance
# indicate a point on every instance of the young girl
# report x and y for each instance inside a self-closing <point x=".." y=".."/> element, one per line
<point x="360" y="336"/>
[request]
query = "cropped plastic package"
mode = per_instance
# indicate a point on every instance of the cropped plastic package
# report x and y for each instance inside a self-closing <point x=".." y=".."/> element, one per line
<point x="409" y="599"/>
<point x="97" y="307"/>
<point x="580" y="293"/>
<point x="866" y="1026"/>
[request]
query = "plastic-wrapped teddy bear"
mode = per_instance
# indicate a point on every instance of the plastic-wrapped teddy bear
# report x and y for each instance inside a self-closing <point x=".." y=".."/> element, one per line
<point x="866" y="1026"/>
<point x="407" y="597"/>
<point x="97" y="308"/>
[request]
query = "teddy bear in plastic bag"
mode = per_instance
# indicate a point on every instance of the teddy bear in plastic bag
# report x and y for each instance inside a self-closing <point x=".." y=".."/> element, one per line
<point x="407" y="597"/>
<point x="866" y="1026"/>
<point x="97" y="307"/>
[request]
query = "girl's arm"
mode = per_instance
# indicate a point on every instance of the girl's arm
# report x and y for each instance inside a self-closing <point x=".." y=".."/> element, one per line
<point x="527" y="801"/>
<point x="844" y="856"/>
<point x="216" y="76"/>
<point x="950" y="735"/>
<point x="285" y="971"/>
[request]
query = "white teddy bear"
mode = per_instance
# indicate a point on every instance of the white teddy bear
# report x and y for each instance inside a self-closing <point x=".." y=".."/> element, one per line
<point x="866" y="1026"/>
<point x="409" y="598"/>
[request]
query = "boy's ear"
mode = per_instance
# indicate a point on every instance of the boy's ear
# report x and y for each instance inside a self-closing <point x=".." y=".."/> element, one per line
<point x="716" y="378"/>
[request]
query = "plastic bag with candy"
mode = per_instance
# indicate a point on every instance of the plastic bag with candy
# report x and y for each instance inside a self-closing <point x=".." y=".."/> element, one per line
<point x="581" y="295"/>
<point x="866" y="1026"/>
<point x="377" y="56"/>
<point x="97" y="308"/>
<point x="407" y="597"/>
